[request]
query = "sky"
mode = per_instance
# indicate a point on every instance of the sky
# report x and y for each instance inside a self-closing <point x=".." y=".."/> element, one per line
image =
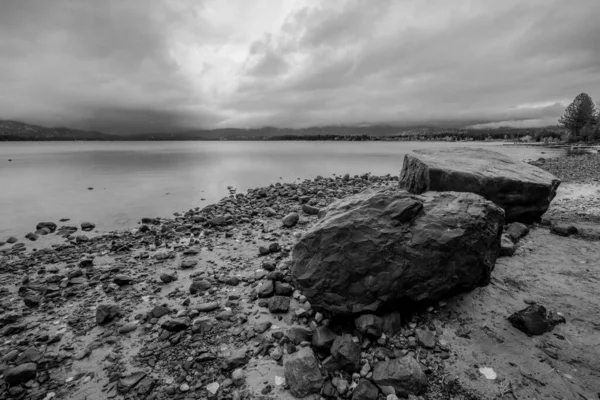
<point x="129" y="66"/>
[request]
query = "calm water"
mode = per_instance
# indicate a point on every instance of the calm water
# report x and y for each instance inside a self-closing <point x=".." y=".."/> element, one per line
<point x="131" y="180"/>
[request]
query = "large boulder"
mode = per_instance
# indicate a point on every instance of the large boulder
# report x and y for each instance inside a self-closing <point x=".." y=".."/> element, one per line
<point x="523" y="190"/>
<point x="384" y="247"/>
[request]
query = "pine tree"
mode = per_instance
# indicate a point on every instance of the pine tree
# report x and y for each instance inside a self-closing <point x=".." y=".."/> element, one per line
<point x="578" y="114"/>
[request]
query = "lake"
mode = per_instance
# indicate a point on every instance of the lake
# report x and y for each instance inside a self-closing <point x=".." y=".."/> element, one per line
<point x="47" y="181"/>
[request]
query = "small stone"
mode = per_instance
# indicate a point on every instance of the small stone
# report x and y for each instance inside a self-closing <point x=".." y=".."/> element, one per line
<point x="365" y="390"/>
<point x="564" y="229"/>
<point x="238" y="377"/>
<point x="279" y="304"/>
<point x="128" y="327"/>
<point x="310" y="210"/>
<point x="31" y="300"/>
<point x="188" y="264"/>
<point x="106" y="313"/>
<point x="51" y="226"/>
<point x="266" y="289"/>
<point x="207" y="307"/>
<point x="291" y="219"/>
<point x="302" y="373"/>
<point x="159" y="311"/>
<point x="87" y="226"/>
<point x="400" y="376"/>
<point x="199" y="286"/>
<point x="30" y="355"/>
<point x="283" y="289"/>
<point x="122" y="280"/>
<point x="346" y="353"/>
<point x="369" y="324"/>
<point x="20" y="374"/>
<point x="175" y="325"/>
<point x="323" y="337"/>
<point x="425" y="338"/>
<point x="535" y="320"/>
<point x="516" y="231"/>
<point x="212" y="388"/>
<point x="507" y="246"/>
<point x="168" y="278"/>
<point x="298" y="334"/>
<point x="236" y="358"/>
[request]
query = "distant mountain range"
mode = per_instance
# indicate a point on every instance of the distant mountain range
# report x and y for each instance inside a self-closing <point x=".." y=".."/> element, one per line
<point x="20" y="131"/>
<point x="14" y="131"/>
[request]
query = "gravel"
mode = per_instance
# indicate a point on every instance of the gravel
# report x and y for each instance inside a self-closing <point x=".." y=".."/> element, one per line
<point x="576" y="169"/>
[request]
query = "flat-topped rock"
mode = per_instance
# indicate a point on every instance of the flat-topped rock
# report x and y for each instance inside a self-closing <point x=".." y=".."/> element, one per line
<point x="374" y="248"/>
<point x="523" y="190"/>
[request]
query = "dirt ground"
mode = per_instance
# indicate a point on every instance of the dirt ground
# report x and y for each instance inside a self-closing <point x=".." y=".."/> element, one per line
<point x="562" y="274"/>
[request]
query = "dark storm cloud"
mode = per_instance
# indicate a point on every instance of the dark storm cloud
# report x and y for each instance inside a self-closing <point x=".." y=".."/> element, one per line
<point x="158" y="65"/>
<point x="93" y="64"/>
<point x="507" y="61"/>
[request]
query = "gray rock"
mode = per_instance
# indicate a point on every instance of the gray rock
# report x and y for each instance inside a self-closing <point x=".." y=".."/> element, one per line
<point x="199" y="286"/>
<point x="87" y="226"/>
<point x="236" y="358"/>
<point x="400" y="376"/>
<point x="425" y="337"/>
<point x="43" y="231"/>
<point x="346" y="353"/>
<point x="298" y="334"/>
<point x="12" y="240"/>
<point x="218" y="220"/>
<point x="302" y="373"/>
<point x="175" y="325"/>
<point x="122" y="280"/>
<point x="129" y="381"/>
<point x="522" y="190"/>
<point x="323" y="337"/>
<point x="291" y="219"/>
<point x="375" y="248"/>
<point x="128" y="327"/>
<point x="159" y="311"/>
<point x="283" y="289"/>
<point x="20" y="374"/>
<point x="507" y="247"/>
<point x="262" y="327"/>
<point x="168" y="278"/>
<point x="51" y="226"/>
<point x="369" y="324"/>
<point x="266" y="289"/>
<point x="535" y="320"/>
<point x="516" y="231"/>
<point x="31" y="300"/>
<point x="392" y="323"/>
<point x="274" y="247"/>
<point x="279" y="304"/>
<point x="310" y="210"/>
<point x="30" y="355"/>
<point x="32" y="236"/>
<point x="564" y="229"/>
<point x="365" y="390"/>
<point x="207" y="307"/>
<point x="188" y="263"/>
<point x="106" y="313"/>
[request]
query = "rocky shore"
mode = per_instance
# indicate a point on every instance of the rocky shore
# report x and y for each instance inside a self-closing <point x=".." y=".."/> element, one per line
<point x="205" y="306"/>
<point x="579" y="199"/>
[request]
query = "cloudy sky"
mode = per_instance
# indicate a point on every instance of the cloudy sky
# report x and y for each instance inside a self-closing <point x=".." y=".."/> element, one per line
<point x="154" y="65"/>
